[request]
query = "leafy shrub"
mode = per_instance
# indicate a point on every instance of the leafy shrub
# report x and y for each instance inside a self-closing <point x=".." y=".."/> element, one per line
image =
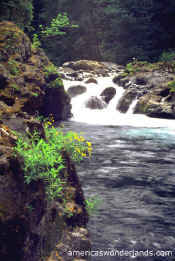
<point x="43" y="159"/>
<point x="51" y="68"/>
<point x="35" y="41"/>
<point x="171" y="84"/>
<point x="167" y="56"/>
<point x="56" y="26"/>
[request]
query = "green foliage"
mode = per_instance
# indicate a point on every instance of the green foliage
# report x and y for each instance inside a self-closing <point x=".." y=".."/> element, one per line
<point x="34" y="94"/>
<point x="171" y="84"/>
<point x="130" y="68"/>
<point x="43" y="159"/>
<point x="57" y="25"/>
<point x="92" y="205"/>
<point x="51" y="69"/>
<point x="35" y="41"/>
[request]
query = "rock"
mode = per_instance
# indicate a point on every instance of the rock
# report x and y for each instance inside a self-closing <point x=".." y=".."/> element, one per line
<point x="25" y="80"/>
<point x="32" y="226"/>
<point x="121" y="80"/>
<point x="85" y="65"/>
<point x="108" y="94"/>
<point x="20" y="44"/>
<point x="76" y="90"/>
<point x="160" y="103"/>
<point x="56" y="102"/>
<point x="91" y="80"/>
<point x="126" y="100"/>
<point x="95" y="103"/>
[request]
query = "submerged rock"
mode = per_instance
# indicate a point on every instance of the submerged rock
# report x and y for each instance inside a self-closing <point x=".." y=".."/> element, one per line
<point x="91" y="80"/>
<point x="95" y="103"/>
<point x="76" y="90"/>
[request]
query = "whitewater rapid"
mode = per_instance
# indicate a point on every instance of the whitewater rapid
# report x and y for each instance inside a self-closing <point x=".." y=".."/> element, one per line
<point x="109" y="115"/>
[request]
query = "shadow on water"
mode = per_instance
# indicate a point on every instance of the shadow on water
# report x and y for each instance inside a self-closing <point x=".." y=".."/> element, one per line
<point x="132" y="171"/>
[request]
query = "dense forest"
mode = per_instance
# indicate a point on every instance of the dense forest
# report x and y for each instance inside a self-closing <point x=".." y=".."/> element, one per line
<point x="111" y="30"/>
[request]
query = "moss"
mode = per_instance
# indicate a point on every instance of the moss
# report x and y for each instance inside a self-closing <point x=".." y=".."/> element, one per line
<point x="13" y="41"/>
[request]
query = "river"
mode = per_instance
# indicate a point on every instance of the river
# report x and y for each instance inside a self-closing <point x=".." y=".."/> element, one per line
<point x="132" y="172"/>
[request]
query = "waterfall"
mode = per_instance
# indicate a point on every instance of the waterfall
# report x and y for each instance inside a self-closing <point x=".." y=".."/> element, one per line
<point x="109" y="115"/>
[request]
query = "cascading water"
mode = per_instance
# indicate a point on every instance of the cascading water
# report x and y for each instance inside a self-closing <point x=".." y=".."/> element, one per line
<point x="132" y="171"/>
<point x="109" y="115"/>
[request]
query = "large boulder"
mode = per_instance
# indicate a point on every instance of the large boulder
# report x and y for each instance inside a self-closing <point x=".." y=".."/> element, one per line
<point x="108" y="94"/>
<point x="76" y="90"/>
<point x="95" y="103"/>
<point x="85" y="65"/>
<point x="160" y="103"/>
<point x="126" y="100"/>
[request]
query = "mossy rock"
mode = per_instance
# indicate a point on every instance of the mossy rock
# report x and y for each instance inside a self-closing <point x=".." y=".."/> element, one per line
<point x="13" y="42"/>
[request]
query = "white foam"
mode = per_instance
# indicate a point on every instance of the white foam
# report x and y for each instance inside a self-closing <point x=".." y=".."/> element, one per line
<point x="109" y="115"/>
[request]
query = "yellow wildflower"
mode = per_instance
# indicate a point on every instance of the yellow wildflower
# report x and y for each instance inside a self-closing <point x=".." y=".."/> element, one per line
<point x="82" y="138"/>
<point x="78" y="150"/>
<point x="89" y="143"/>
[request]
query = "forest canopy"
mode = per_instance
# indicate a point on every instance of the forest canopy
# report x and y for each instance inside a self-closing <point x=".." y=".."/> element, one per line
<point x="113" y="30"/>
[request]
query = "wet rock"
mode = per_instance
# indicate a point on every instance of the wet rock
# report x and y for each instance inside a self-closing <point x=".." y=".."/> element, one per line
<point x="160" y="103"/>
<point x="108" y="94"/>
<point x="121" y="80"/>
<point x="76" y="90"/>
<point x="91" y="80"/>
<point x="95" y="103"/>
<point x="126" y="100"/>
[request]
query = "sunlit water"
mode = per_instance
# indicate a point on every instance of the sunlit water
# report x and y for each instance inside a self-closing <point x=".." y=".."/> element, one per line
<point x="132" y="171"/>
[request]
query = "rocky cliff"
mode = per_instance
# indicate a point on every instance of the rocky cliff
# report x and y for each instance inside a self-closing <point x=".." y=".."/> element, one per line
<point x="31" y="227"/>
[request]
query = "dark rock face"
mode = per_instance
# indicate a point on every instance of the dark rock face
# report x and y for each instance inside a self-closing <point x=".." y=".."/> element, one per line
<point x="95" y="103"/>
<point x="24" y="83"/>
<point x="57" y="103"/>
<point x="108" y="94"/>
<point x="76" y="90"/>
<point x="31" y="227"/>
